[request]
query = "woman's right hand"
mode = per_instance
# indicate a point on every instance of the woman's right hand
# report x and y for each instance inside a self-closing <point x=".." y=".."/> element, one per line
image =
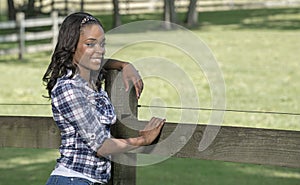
<point x="151" y="130"/>
<point x="146" y="137"/>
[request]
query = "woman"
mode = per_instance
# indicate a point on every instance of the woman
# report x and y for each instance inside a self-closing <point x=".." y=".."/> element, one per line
<point x="82" y="109"/>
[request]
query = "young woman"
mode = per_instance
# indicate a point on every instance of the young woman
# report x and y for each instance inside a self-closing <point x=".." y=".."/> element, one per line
<point x="82" y="109"/>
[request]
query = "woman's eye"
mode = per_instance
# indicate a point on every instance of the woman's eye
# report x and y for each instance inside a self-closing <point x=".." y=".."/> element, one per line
<point x="90" y="44"/>
<point x="102" y="44"/>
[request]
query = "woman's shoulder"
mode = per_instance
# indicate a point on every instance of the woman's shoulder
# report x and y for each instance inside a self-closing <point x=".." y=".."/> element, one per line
<point x="66" y="83"/>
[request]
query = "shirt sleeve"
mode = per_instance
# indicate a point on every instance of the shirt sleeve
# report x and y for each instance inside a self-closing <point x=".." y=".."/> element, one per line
<point x="74" y="106"/>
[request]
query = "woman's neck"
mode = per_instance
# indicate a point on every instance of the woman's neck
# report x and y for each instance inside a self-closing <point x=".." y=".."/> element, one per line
<point x="90" y="77"/>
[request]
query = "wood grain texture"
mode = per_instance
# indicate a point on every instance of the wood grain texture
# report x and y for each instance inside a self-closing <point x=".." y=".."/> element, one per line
<point x="235" y="144"/>
<point x="125" y="105"/>
<point x="28" y="132"/>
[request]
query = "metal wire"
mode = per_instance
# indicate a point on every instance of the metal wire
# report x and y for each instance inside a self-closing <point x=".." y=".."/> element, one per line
<point x="178" y="108"/>
<point x="223" y="110"/>
<point x="21" y="104"/>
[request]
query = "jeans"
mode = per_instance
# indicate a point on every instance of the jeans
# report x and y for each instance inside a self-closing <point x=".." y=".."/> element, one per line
<point x="61" y="180"/>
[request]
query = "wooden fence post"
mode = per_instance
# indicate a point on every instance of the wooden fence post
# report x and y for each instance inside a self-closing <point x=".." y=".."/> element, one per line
<point x="21" y="27"/>
<point x="125" y="104"/>
<point x="55" y="29"/>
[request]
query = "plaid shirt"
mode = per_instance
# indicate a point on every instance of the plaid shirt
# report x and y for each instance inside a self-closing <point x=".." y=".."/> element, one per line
<point x="84" y="117"/>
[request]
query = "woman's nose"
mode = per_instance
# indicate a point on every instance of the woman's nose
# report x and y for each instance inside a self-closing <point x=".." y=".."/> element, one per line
<point x="100" y="49"/>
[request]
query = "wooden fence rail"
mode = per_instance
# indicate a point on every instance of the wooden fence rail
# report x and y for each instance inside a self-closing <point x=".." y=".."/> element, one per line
<point x="234" y="144"/>
<point x="20" y="34"/>
<point x="150" y="6"/>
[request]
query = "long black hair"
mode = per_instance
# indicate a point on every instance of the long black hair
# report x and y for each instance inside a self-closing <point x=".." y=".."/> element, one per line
<point x="62" y="57"/>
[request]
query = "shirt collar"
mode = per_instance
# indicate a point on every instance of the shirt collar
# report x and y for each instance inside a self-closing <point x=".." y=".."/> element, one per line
<point x="76" y="77"/>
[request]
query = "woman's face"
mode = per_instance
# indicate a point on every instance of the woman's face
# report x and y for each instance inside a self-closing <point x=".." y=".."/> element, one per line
<point x="90" y="49"/>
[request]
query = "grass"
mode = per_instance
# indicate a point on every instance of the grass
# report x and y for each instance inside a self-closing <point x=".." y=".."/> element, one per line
<point x="257" y="51"/>
<point x="194" y="172"/>
<point x="33" y="166"/>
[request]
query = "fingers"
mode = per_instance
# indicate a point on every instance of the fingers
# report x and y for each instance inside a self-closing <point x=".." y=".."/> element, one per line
<point x="130" y="74"/>
<point x="139" y="85"/>
<point x="126" y="84"/>
<point x="159" y="122"/>
<point x="152" y="130"/>
<point x="155" y="123"/>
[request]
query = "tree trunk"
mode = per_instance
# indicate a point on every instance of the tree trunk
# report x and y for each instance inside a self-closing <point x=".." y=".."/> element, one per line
<point x="30" y="10"/>
<point x="116" y="17"/>
<point x="192" y="14"/>
<point x="11" y="10"/>
<point x="66" y="7"/>
<point x="169" y="13"/>
<point x="82" y="5"/>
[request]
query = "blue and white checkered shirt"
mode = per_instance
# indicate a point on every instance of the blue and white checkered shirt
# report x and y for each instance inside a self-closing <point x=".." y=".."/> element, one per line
<point x="84" y="117"/>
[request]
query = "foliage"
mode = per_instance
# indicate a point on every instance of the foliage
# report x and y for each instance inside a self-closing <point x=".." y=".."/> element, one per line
<point x="257" y="51"/>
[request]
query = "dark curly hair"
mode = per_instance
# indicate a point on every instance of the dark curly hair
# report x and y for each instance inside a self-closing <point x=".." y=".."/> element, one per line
<point x="62" y="57"/>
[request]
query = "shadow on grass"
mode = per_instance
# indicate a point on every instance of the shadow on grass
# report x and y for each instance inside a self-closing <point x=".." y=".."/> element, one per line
<point x="275" y="18"/>
<point x="33" y="166"/>
<point x="259" y="19"/>
<point x="26" y="166"/>
<point x="280" y="19"/>
<point x="30" y="174"/>
<point x="37" y="60"/>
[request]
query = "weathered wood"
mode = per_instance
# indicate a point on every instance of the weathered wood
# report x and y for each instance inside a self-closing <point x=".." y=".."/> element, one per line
<point x="9" y="38"/>
<point x="21" y="36"/>
<point x="8" y="25"/>
<point x="125" y="104"/>
<point x="235" y="144"/>
<point x="28" y="132"/>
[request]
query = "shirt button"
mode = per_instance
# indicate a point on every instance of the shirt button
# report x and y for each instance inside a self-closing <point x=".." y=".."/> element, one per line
<point x="93" y="136"/>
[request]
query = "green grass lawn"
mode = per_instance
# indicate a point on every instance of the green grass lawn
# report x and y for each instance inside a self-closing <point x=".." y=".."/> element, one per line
<point x="258" y="53"/>
<point x="33" y="166"/>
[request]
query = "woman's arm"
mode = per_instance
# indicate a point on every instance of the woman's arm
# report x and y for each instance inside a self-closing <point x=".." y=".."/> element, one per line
<point x="147" y="136"/>
<point x="129" y="74"/>
<point x="114" y="64"/>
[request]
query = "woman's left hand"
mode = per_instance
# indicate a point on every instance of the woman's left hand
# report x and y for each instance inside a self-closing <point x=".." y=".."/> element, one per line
<point x="129" y="73"/>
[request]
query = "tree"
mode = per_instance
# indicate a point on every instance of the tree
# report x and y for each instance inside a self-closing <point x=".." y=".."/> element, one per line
<point x="169" y="13"/>
<point x="116" y="17"/>
<point x="30" y="8"/>
<point x="11" y="10"/>
<point x="192" y="14"/>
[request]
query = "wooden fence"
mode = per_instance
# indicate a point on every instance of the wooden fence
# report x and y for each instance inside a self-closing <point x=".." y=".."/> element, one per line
<point x="234" y="144"/>
<point x="18" y="34"/>
<point x="150" y="6"/>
